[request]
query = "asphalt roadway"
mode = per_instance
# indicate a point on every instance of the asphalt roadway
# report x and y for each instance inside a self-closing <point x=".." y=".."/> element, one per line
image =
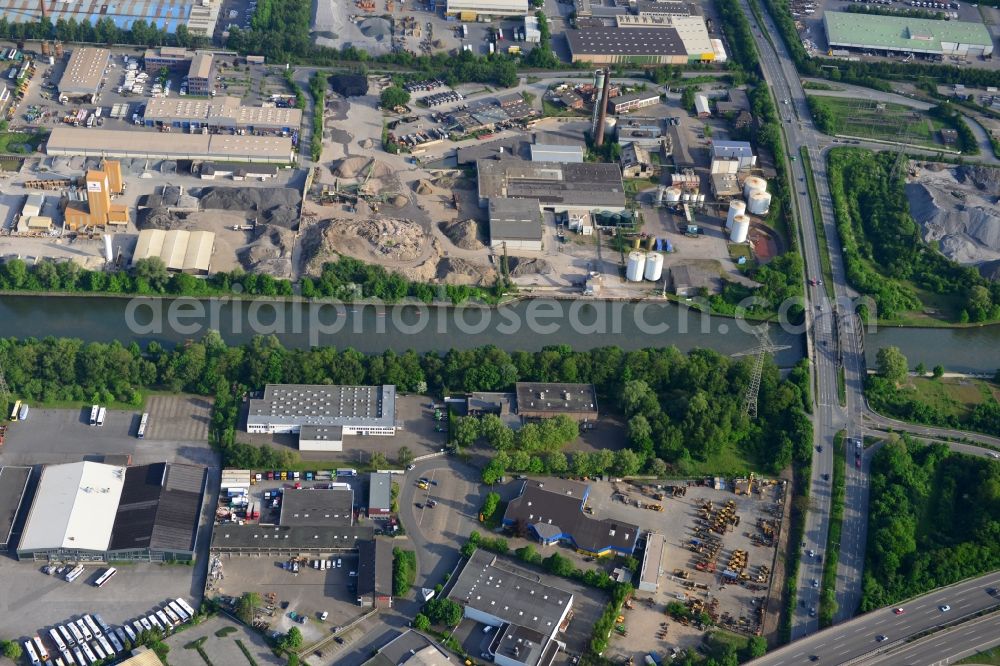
<point x="856" y="639"/>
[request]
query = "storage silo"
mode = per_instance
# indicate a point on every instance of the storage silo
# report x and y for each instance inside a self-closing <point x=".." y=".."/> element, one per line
<point x="741" y="228"/>
<point x="636" y="266"/>
<point x="654" y="266"/>
<point x="759" y="203"/>
<point x="672" y="195"/>
<point x="754" y="184"/>
<point x="660" y="191"/>
<point x="109" y="254"/>
<point x="650" y="243"/>
<point x="736" y="207"/>
<point x="686" y="197"/>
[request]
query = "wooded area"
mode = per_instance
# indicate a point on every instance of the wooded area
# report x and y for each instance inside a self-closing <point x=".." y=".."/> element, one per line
<point x="679" y="407"/>
<point x="934" y="519"/>
<point x="882" y="246"/>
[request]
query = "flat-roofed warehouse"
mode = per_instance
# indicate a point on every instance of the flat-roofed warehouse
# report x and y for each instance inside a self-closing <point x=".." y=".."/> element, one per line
<point x="180" y="250"/>
<point x="495" y="593"/>
<point x="652" y="559"/>
<point x="317" y="507"/>
<point x="691" y="29"/>
<point x="288" y="540"/>
<point x="13" y="485"/>
<point x="515" y="224"/>
<point x="474" y="10"/>
<point x="84" y="73"/>
<point x="543" y="400"/>
<point x="907" y="35"/>
<point x="375" y="573"/>
<point x="219" y="113"/>
<point x="559" y="187"/>
<point x="98" y="512"/>
<point x="410" y="649"/>
<point x="356" y="410"/>
<point x="64" y="141"/>
<point x="634" y="46"/>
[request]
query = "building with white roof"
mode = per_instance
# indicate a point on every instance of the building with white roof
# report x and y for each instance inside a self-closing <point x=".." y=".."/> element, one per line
<point x="741" y="151"/>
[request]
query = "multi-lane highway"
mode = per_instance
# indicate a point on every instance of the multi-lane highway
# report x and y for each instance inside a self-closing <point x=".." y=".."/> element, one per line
<point x="857" y="640"/>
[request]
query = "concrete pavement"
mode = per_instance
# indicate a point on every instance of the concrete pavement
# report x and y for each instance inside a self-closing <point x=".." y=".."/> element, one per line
<point x="855" y="641"/>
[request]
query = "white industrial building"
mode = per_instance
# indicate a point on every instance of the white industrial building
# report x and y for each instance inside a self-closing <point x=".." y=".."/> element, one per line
<point x="180" y="250"/>
<point x="652" y="557"/>
<point x="741" y="151"/>
<point x="484" y="10"/>
<point x="323" y="415"/>
<point x="701" y="106"/>
<point x="556" y="152"/>
<point x="532" y="34"/>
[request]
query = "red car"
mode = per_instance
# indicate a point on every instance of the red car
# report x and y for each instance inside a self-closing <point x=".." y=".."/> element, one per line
<point x="898" y="611"/>
<point x="857" y="463"/>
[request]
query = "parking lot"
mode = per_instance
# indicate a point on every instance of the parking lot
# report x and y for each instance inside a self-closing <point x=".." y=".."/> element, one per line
<point x="178" y="417"/>
<point x="220" y="649"/>
<point x="733" y="605"/>
<point x="33" y="601"/>
<point x="308" y="593"/>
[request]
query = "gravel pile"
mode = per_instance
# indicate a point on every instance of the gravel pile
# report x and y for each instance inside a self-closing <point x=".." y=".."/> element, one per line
<point x="966" y="227"/>
<point x="273" y="205"/>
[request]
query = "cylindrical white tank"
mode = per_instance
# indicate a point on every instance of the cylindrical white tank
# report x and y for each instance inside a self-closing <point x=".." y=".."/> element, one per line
<point x="109" y="254"/>
<point x="701" y="198"/>
<point x="754" y="184"/>
<point x="673" y="194"/>
<point x="759" y="203"/>
<point x="654" y="266"/>
<point x="686" y="196"/>
<point x="741" y="228"/>
<point x="736" y="207"/>
<point x="659" y="195"/>
<point x="636" y="266"/>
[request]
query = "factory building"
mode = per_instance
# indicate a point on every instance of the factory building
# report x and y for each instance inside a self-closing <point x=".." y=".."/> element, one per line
<point x="628" y="103"/>
<point x="410" y="649"/>
<point x="701" y="106"/>
<point x="97" y="210"/>
<point x="13" y="486"/>
<point x="902" y="34"/>
<point x="635" y="161"/>
<point x="554" y="152"/>
<point x="515" y="225"/>
<point x="692" y="31"/>
<point x="557" y="187"/>
<point x="220" y="113"/>
<point x="81" y="80"/>
<point x="341" y="410"/>
<point x="254" y="540"/>
<point x="740" y="151"/>
<point x="485" y="10"/>
<point x="95" y="512"/>
<point x="375" y="573"/>
<point x="551" y="511"/>
<point x="527" y="613"/>
<point x="544" y="400"/>
<point x="379" y="494"/>
<point x="635" y="46"/>
<point x="174" y="58"/>
<point x="198" y="16"/>
<point x="65" y="141"/>
<point x="200" y="75"/>
<point x="181" y="251"/>
<point x="652" y="559"/>
<point x="317" y="507"/>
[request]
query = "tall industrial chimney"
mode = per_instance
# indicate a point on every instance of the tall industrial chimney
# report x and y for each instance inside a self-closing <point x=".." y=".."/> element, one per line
<point x="598" y="90"/>
<point x="602" y="118"/>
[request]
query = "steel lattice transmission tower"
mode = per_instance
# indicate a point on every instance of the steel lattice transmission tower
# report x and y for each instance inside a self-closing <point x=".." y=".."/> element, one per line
<point x="764" y="347"/>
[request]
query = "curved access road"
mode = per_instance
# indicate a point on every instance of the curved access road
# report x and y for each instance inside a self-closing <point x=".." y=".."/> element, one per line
<point x="856" y="641"/>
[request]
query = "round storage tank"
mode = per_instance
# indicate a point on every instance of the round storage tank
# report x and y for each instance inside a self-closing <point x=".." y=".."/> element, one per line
<point x="701" y="198"/>
<point x="654" y="266"/>
<point x="672" y="194"/>
<point x="759" y="203"/>
<point x="754" y="184"/>
<point x="686" y="196"/>
<point x="741" y="228"/>
<point x="636" y="266"/>
<point x="736" y="207"/>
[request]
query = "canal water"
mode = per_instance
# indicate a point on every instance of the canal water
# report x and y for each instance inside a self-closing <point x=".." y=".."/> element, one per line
<point x="526" y="325"/>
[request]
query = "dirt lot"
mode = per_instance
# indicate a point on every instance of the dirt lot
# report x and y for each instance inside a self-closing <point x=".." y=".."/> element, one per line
<point x="678" y="522"/>
<point x="309" y="592"/>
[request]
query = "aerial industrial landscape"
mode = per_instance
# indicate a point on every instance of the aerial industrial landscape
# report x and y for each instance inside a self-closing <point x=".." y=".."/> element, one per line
<point x="517" y="332"/>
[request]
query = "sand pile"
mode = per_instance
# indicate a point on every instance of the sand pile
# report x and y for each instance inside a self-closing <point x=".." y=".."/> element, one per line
<point x="520" y="267"/>
<point x="269" y="253"/>
<point x="425" y="187"/>
<point x="966" y="227"/>
<point x="382" y="170"/>
<point x="463" y="234"/>
<point x="399" y="201"/>
<point x="350" y="167"/>
<point x="453" y="270"/>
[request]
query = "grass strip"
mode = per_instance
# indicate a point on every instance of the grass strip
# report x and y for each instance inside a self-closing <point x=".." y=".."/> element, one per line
<point x="841" y="387"/>
<point x="246" y="653"/>
<point x="828" y="590"/>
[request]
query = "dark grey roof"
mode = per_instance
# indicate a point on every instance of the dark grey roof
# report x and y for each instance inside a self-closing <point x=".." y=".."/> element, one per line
<point x="374" y="568"/>
<point x="514" y="147"/>
<point x="318" y="507"/>
<point x="159" y="508"/>
<point x="304" y="404"/>
<point x="13" y="483"/>
<point x="631" y="42"/>
<point x="664" y="7"/>
<point x="556" y="503"/>
<point x="515" y="219"/>
<point x="582" y="185"/>
<point x="511" y="594"/>
<point x="379" y="490"/>
<point x="321" y="433"/>
<point x="550" y="396"/>
<point x="249" y="538"/>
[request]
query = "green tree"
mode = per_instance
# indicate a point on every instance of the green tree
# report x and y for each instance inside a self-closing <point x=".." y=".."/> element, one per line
<point x="379" y="460"/>
<point x="466" y="431"/>
<point x="291" y="641"/>
<point x="657" y="467"/>
<point x="246" y="607"/>
<point x="404" y="456"/>
<point x="938" y="371"/>
<point x="891" y="364"/>
<point x="921" y="369"/>
<point x="626" y="462"/>
<point x="421" y="622"/>
<point x="394" y="96"/>
<point x="11" y="650"/>
<point x="153" y="271"/>
<point x="443" y="611"/>
<point x="490" y="505"/>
